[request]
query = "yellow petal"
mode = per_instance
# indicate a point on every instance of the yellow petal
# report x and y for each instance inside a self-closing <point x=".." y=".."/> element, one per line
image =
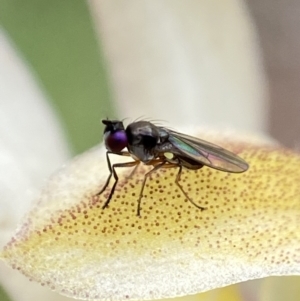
<point x="249" y="230"/>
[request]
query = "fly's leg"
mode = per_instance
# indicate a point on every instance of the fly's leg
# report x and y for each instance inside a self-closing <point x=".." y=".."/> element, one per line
<point x="155" y="168"/>
<point x="133" y="171"/>
<point x="110" y="169"/>
<point x="114" y="166"/>
<point x="185" y="194"/>
<point x="108" y="178"/>
<point x="113" y="172"/>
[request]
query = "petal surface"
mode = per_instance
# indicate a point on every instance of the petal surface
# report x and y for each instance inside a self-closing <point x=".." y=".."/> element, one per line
<point x="249" y="230"/>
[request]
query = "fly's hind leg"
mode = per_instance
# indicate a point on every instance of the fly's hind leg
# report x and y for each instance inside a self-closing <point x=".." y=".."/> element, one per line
<point x="185" y="194"/>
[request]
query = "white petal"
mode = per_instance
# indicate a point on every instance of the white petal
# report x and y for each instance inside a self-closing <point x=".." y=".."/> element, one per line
<point x="193" y="62"/>
<point x="32" y="145"/>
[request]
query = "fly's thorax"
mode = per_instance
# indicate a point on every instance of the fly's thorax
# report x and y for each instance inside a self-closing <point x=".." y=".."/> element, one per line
<point x="142" y="137"/>
<point x="165" y="150"/>
<point x="139" y="153"/>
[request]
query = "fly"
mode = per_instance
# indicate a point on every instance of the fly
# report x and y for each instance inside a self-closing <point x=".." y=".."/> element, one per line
<point x="162" y="148"/>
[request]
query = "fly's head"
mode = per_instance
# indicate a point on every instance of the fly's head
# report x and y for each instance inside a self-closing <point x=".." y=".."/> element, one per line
<point x="115" y="137"/>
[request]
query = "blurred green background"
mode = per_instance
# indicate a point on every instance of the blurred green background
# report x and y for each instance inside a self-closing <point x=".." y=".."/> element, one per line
<point x="58" y="41"/>
<point x="3" y="295"/>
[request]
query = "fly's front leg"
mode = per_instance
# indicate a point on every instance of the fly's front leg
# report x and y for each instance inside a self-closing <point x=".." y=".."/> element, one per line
<point x="113" y="172"/>
<point x="185" y="194"/>
<point x="114" y="166"/>
<point x="110" y="169"/>
<point x="108" y="178"/>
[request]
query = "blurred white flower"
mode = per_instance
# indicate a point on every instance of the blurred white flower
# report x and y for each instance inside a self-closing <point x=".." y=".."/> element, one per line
<point x="186" y="62"/>
<point x="32" y="145"/>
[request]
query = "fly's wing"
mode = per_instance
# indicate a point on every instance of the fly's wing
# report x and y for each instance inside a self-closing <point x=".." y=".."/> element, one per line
<point x="205" y="153"/>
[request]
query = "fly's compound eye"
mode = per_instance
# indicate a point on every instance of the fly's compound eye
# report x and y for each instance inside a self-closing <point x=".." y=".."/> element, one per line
<point x="115" y="141"/>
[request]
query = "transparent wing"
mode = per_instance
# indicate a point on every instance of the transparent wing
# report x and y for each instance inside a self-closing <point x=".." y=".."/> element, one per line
<point x="205" y="153"/>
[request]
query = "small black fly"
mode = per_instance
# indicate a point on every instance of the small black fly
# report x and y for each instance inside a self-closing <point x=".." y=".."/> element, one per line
<point x="162" y="148"/>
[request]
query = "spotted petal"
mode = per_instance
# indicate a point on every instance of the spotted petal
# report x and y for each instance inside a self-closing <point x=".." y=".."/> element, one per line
<point x="249" y="230"/>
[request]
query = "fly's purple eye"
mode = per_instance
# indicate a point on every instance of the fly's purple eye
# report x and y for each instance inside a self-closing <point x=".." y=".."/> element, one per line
<point x="115" y="141"/>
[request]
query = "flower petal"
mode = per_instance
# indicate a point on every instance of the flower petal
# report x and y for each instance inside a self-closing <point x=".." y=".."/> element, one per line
<point x="188" y="60"/>
<point x="249" y="230"/>
<point x="25" y="120"/>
